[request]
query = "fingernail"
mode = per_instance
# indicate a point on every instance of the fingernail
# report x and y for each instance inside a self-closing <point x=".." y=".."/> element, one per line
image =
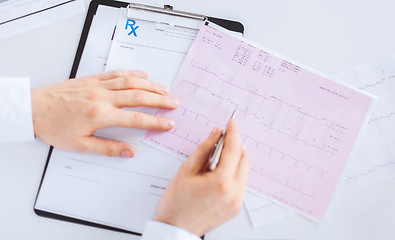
<point x="176" y="103"/>
<point x="171" y="123"/>
<point x="214" y="132"/>
<point x="126" y="154"/>
<point x="165" y="91"/>
<point x="140" y="74"/>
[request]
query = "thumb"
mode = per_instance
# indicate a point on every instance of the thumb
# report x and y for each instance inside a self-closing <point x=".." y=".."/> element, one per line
<point x="199" y="158"/>
<point x="107" y="147"/>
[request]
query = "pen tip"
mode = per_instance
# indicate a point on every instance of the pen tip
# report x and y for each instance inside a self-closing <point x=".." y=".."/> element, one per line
<point x="234" y="114"/>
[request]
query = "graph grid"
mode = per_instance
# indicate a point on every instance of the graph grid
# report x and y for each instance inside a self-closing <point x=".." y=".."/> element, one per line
<point x="299" y="127"/>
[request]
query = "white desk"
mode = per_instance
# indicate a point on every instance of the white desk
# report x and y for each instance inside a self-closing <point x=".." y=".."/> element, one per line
<point x="331" y="36"/>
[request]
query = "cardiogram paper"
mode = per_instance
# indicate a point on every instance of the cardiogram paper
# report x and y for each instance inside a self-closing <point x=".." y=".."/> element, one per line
<point x="299" y="127"/>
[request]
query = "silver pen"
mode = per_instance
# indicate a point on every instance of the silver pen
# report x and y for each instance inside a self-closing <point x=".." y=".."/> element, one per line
<point x="215" y="155"/>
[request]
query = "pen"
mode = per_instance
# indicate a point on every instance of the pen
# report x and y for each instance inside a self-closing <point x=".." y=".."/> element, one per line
<point x="215" y="155"/>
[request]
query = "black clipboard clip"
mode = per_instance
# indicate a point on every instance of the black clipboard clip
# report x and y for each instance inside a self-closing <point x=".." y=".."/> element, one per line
<point x="154" y="12"/>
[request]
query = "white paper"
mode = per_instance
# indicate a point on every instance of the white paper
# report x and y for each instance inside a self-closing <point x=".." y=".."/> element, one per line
<point x="262" y="211"/>
<point x="374" y="160"/>
<point x="95" y="54"/>
<point x="18" y="16"/>
<point x="156" y="48"/>
<point x="121" y="193"/>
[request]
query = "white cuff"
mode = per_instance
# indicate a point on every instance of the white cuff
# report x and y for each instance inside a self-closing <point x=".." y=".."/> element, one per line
<point x="157" y="230"/>
<point x="16" y="121"/>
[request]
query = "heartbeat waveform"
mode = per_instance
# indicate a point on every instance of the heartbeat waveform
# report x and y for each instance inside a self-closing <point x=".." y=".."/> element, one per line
<point x="381" y="117"/>
<point x="268" y="127"/>
<point x="208" y="90"/>
<point x="217" y="76"/>
<point x="369" y="85"/>
<point x="369" y="171"/>
<point x="261" y="207"/>
<point x="201" y="115"/>
<point x="225" y="81"/>
<point x="300" y="140"/>
<point x="264" y="97"/>
<point x="260" y="118"/>
<point x="284" y="184"/>
<point x="286" y="155"/>
<point x="197" y="142"/>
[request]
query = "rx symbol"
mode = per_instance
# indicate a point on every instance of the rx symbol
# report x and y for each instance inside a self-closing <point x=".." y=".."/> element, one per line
<point x="130" y="23"/>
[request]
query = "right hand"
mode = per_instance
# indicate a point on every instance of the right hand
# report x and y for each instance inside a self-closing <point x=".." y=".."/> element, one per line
<point x="67" y="114"/>
<point x="199" y="201"/>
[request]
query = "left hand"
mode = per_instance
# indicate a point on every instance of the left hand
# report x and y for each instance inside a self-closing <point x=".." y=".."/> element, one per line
<point x="67" y="114"/>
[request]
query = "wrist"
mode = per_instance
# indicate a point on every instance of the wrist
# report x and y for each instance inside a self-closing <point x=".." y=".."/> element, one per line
<point x="35" y="99"/>
<point x="185" y="225"/>
<point x="160" y="230"/>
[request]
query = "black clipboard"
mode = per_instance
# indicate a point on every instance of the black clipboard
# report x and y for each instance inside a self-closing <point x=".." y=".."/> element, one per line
<point x="228" y="24"/>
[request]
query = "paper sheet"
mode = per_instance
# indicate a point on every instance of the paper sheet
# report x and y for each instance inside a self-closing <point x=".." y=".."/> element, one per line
<point x="374" y="161"/>
<point x="299" y="127"/>
<point x="140" y="50"/>
<point x="121" y="193"/>
<point x="262" y="211"/>
<point x="18" y="16"/>
<point x="116" y="192"/>
<point x="95" y="55"/>
<point x="93" y="187"/>
<point x="161" y="59"/>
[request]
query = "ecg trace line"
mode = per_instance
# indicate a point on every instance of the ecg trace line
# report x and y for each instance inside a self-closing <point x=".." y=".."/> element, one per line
<point x="285" y="155"/>
<point x="201" y="115"/>
<point x="266" y="125"/>
<point x="299" y="140"/>
<point x="227" y="82"/>
<point x="284" y="184"/>
<point x="273" y="97"/>
<point x="377" y="83"/>
<point x="258" y="209"/>
<point x="369" y="171"/>
<point x="381" y="117"/>
<point x="173" y="132"/>
<point x="185" y="138"/>
<point x="254" y="93"/>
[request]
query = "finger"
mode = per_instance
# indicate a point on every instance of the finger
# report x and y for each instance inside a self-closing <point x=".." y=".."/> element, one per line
<point x="232" y="150"/>
<point x="243" y="169"/>
<point x="107" y="147"/>
<point x="132" y="119"/>
<point x="240" y="180"/>
<point x="117" y="74"/>
<point x="199" y="159"/>
<point x="137" y="98"/>
<point x="133" y="82"/>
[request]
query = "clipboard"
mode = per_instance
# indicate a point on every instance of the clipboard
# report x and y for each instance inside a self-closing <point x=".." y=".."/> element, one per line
<point x="228" y="24"/>
<point x="93" y="8"/>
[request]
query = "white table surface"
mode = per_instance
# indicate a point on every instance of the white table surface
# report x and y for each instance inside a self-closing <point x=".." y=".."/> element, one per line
<point x="329" y="36"/>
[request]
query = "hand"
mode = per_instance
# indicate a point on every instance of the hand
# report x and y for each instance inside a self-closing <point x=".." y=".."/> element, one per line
<point x="199" y="201"/>
<point x="67" y="114"/>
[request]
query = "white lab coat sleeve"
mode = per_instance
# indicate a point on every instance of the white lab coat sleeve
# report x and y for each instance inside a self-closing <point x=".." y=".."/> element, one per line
<point x="16" y="121"/>
<point x="157" y="230"/>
